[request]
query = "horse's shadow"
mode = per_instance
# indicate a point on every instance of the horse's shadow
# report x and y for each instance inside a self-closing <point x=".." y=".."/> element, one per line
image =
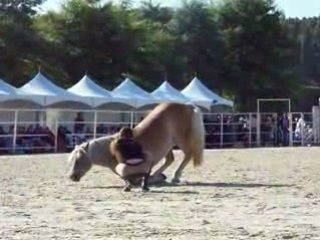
<point x="157" y="191"/>
<point x="206" y="184"/>
<point x="223" y="185"/>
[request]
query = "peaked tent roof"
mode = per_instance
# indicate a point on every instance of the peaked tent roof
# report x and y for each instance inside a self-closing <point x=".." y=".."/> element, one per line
<point x="87" y="87"/>
<point x="52" y="94"/>
<point x="134" y="95"/>
<point x="40" y="85"/>
<point x="11" y="93"/>
<point x="198" y="93"/>
<point x="7" y="89"/>
<point x="166" y="92"/>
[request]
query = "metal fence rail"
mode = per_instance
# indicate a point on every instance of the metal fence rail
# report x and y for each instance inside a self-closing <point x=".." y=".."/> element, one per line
<point x="33" y="132"/>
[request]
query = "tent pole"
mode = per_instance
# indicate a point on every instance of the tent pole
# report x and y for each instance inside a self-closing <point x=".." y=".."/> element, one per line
<point x="221" y="130"/>
<point x="15" y="130"/>
<point x="57" y="137"/>
<point x="131" y="119"/>
<point x="95" y="124"/>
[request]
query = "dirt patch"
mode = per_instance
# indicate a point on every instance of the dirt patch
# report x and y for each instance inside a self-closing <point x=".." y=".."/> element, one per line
<point x="236" y="194"/>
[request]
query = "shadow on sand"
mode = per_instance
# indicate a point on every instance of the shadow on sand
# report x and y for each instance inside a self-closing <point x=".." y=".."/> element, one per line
<point x="103" y="187"/>
<point x="174" y="192"/>
<point x="234" y="185"/>
<point x="203" y="184"/>
<point x="151" y="190"/>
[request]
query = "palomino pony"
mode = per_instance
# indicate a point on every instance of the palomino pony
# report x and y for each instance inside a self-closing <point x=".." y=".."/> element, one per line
<point x="166" y="126"/>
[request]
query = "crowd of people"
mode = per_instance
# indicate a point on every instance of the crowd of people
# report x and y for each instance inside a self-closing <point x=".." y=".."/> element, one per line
<point x="29" y="139"/>
<point x="241" y="130"/>
<point x="231" y="131"/>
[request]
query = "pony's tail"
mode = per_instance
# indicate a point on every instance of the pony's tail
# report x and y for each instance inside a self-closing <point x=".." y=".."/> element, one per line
<point x="197" y="136"/>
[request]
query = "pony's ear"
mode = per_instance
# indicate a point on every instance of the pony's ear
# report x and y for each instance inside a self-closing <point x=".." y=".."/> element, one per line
<point x="86" y="146"/>
<point x="115" y="135"/>
<point x="81" y="151"/>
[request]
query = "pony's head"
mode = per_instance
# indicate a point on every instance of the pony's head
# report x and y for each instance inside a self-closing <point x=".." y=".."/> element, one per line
<point x="79" y="162"/>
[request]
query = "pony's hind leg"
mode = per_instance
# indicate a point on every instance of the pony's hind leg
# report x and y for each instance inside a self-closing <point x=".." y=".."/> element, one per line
<point x="128" y="186"/>
<point x="168" y="161"/>
<point x="184" y="163"/>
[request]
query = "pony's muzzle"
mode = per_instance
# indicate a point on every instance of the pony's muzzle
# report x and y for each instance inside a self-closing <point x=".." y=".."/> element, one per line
<point x="75" y="177"/>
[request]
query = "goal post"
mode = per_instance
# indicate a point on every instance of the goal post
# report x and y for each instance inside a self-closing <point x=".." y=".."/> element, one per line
<point x="281" y="100"/>
<point x="260" y="100"/>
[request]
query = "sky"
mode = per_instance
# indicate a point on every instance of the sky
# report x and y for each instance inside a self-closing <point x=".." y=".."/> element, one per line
<point x="291" y="8"/>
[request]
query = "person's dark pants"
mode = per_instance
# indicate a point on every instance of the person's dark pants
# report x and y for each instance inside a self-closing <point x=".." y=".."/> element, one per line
<point x="278" y="137"/>
<point x="285" y="137"/>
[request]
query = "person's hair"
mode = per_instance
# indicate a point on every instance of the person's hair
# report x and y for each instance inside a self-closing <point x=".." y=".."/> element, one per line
<point x="126" y="132"/>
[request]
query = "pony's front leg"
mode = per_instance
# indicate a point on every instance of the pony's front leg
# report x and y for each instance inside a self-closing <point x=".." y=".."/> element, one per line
<point x="178" y="172"/>
<point x="168" y="161"/>
<point x="128" y="186"/>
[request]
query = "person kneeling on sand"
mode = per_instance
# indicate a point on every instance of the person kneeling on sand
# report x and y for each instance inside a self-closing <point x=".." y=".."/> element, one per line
<point x="131" y="159"/>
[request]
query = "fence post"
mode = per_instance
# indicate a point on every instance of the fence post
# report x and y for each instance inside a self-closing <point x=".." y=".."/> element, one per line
<point x="316" y="124"/>
<point x="95" y="119"/>
<point x="15" y="130"/>
<point x="221" y="130"/>
<point x="131" y="119"/>
<point x="56" y="136"/>
<point x="258" y="129"/>
<point x="250" y="129"/>
<point x="304" y="126"/>
<point x="290" y="130"/>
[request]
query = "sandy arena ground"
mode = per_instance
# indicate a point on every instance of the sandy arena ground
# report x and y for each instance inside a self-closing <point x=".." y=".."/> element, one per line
<point x="236" y="194"/>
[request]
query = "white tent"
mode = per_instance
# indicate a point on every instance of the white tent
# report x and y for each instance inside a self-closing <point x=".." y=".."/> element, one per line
<point x="200" y="95"/>
<point x="7" y="89"/>
<point x="167" y="93"/>
<point x="11" y="97"/>
<point x="133" y="94"/>
<point x="86" y="87"/>
<point x="51" y="93"/>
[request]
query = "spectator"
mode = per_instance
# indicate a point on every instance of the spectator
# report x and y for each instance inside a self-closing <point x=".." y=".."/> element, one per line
<point x="79" y="123"/>
<point x="299" y="131"/>
<point x="284" y="126"/>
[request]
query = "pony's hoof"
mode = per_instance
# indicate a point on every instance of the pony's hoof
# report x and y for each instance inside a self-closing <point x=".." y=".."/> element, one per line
<point x="127" y="189"/>
<point x="145" y="189"/>
<point x="163" y="176"/>
<point x="175" y="180"/>
<point x="157" y="179"/>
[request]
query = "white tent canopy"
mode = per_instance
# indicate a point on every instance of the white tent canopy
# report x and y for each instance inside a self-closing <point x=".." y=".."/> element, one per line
<point x="41" y="92"/>
<point x="133" y="94"/>
<point x="51" y="93"/>
<point x="199" y="94"/>
<point x="11" y="97"/>
<point x="86" y="87"/>
<point x="7" y="89"/>
<point x="166" y="92"/>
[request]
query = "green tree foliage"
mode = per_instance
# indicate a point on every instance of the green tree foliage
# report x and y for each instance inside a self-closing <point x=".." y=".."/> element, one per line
<point x="260" y="55"/>
<point x="19" y="8"/>
<point x="201" y="42"/>
<point x="20" y="46"/>
<point x="244" y="48"/>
